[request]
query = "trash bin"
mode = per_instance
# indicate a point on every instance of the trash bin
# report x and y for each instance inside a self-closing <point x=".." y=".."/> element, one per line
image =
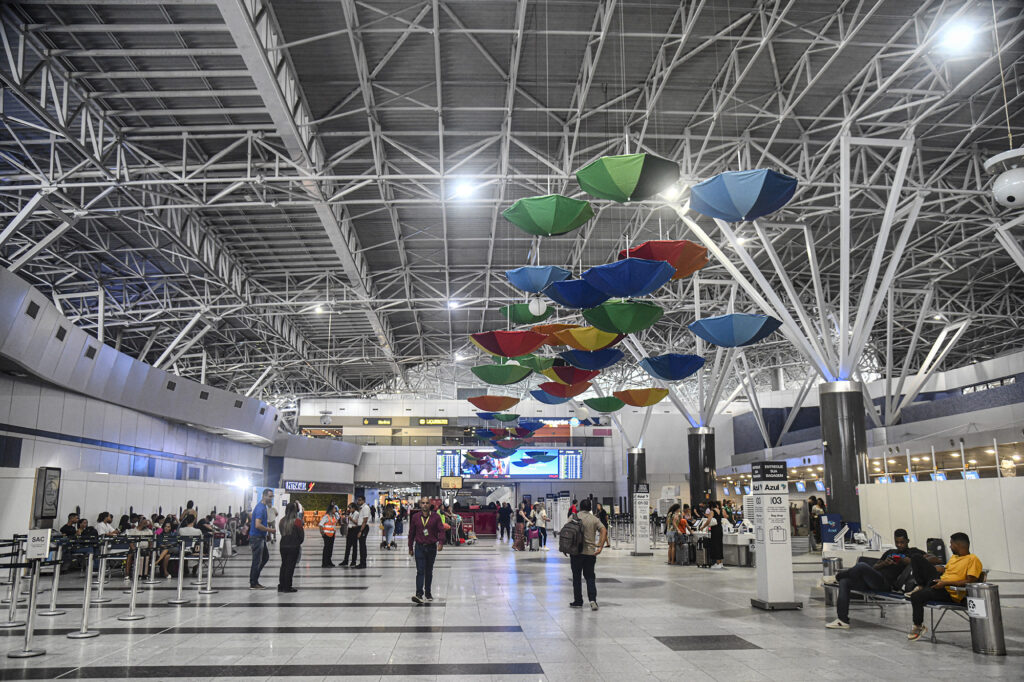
<point x="830" y="565"/>
<point x="986" y="619"/>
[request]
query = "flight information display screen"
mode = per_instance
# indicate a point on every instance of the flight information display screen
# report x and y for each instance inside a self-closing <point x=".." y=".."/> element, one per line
<point x="534" y="463"/>
<point x="449" y="463"/>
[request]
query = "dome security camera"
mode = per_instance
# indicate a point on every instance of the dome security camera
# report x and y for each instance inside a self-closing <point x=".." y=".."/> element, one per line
<point x="1008" y="187"/>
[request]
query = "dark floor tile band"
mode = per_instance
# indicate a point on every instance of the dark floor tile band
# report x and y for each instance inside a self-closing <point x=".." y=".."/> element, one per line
<point x="268" y="605"/>
<point x="276" y="630"/>
<point x="201" y="671"/>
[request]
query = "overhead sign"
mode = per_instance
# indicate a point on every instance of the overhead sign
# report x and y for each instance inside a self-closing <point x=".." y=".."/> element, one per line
<point x="641" y="519"/>
<point x="433" y="421"/>
<point x="316" y="486"/>
<point x="451" y="482"/>
<point x="377" y="421"/>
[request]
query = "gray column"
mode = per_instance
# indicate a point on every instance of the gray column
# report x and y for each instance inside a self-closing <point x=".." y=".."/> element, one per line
<point x="844" y="442"/>
<point x="701" y="443"/>
<point x="430" y="489"/>
<point x="636" y="472"/>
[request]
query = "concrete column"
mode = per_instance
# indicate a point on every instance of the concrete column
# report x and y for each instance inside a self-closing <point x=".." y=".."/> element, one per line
<point x="844" y="442"/>
<point x="701" y="444"/>
<point x="430" y="489"/>
<point x="636" y="472"/>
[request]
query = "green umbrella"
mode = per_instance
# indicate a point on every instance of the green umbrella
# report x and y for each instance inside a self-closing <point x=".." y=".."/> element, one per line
<point x="506" y="417"/>
<point x="623" y="317"/>
<point x="536" y="362"/>
<point x="548" y="215"/>
<point x="606" y="404"/>
<point x="501" y="375"/>
<point x="519" y="313"/>
<point x="630" y="177"/>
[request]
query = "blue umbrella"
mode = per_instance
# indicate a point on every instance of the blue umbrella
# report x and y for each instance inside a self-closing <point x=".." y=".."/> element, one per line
<point x="535" y="278"/>
<point x="672" y="366"/>
<point x="742" y="195"/>
<point x="629" y="277"/>
<point x="592" y="359"/>
<point x="737" y="329"/>
<point x="543" y="396"/>
<point x="486" y="416"/>
<point x="531" y="424"/>
<point x="575" y="293"/>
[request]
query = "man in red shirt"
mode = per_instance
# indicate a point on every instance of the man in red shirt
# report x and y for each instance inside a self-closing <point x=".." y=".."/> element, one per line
<point x="426" y="539"/>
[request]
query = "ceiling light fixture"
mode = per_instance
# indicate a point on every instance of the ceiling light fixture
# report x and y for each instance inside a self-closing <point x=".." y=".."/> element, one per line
<point x="671" y="193"/>
<point x="464" y="190"/>
<point x="319" y="310"/>
<point x="453" y="304"/>
<point x="958" y="36"/>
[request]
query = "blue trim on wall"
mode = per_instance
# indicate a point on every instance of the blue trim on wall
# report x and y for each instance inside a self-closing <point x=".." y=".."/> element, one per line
<point x="120" y="447"/>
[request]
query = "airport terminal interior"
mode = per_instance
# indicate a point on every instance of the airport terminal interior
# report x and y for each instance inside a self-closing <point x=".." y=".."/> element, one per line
<point x="511" y="339"/>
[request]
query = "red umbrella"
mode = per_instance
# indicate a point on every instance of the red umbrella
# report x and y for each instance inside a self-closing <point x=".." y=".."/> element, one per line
<point x="562" y="390"/>
<point x="573" y="375"/>
<point x="508" y="443"/>
<point x="509" y="344"/>
<point x="493" y="403"/>
<point x="682" y="254"/>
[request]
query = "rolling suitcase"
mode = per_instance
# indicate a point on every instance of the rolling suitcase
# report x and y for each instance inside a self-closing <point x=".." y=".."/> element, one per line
<point x="682" y="550"/>
<point x="937" y="547"/>
<point x="703" y="558"/>
<point x="534" y="536"/>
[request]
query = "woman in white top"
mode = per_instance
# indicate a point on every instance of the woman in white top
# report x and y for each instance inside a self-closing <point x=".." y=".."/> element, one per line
<point x="103" y="524"/>
<point x="540" y="520"/>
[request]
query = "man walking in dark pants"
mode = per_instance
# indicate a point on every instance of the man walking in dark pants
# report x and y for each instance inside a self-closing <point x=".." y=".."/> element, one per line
<point x="258" y="532"/>
<point x="426" y="539"/>
<point x="504" y="522"/>
<point x="582" y="564"/>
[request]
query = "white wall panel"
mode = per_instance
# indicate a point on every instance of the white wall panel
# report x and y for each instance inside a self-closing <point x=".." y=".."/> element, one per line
<point x="1012" y="497"/>
<point x="924" y="499"/>
<point x="987" y="529"/>
<point x="25" y="404"/>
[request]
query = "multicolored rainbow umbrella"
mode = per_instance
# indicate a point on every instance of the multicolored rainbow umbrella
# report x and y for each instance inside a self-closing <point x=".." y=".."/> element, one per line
<point x="604" y="404"/>
<point x="493" y="403"/>
<point x="548" y="215"/>
<point x="642" y="397"/>
<point x="629" y="277"/>
<point x="629" y="177"/>
<point x="553" y="328"/>
<point x="624" y="317"/>
<point x="548" y="399"/>
<point x="735" y="329"/>
<point x="588" y="338"/>
<point x="568" y="375"/>
<point x="672" y="366"/>
<point x="685" y="256"/>
<point x="509" y="344"/>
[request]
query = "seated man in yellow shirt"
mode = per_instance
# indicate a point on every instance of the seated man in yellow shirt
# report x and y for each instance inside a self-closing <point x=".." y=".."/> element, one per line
<point x="962" y="569"/>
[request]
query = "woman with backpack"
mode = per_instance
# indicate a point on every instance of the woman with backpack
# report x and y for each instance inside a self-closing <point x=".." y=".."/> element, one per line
<point x="388" y="521"/>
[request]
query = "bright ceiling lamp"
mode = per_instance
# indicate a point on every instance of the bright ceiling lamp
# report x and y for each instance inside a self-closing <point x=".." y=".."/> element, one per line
<point x="453" y="304"/>
<point x="958" y="36"/>
<point x="464" y="190"/>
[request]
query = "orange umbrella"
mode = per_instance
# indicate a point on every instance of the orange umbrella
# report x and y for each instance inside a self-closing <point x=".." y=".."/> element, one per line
<point x="550" y="330"/>
<point x="642" y="397"/>
<point x="587" y="338"/>
<point x="563" y="391"/>
<point x="494" y="403"/>
<point x="567" y="375"/>
<point x="682" y="254"/>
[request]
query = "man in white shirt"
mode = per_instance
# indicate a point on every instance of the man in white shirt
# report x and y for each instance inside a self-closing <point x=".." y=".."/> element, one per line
<point x="272" y="520"/>
<point x="103" y="525"/>
<point x="364" y="529"/>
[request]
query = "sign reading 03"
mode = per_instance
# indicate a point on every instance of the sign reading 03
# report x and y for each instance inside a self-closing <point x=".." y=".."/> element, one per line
<point x="451" y="482"/>
<point x="433" y="421"/>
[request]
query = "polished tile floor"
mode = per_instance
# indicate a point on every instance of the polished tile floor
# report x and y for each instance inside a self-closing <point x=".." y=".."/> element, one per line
<point x="499" y="615"/>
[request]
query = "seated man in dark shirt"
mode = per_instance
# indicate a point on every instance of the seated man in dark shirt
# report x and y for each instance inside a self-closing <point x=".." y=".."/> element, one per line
<point x="70" y="529"/>
<point x="871" y="575"/>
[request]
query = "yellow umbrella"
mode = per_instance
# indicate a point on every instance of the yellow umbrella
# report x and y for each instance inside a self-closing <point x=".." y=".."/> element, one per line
<point x="642" y="397"/>
<point x="587" y="338"/>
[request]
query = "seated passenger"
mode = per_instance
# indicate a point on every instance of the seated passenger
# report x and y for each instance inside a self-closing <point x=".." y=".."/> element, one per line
<point x="70" y="529"/>
<point x="869" y="574"/>
<point x="962" y="569"/>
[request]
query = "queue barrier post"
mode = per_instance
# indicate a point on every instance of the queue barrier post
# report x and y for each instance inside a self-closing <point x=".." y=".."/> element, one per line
<point x="101" y="576"/>
<point x="199" y="569"/>
<point x="153" y="552"/>
<point x="84" y="632"/>
<point x="208" y="588"/>
<point x="131" y="615"/>
<point x="12" y="611"/>
<point x="15" y="572"/>
<point x="181" y="573"/>
<point x="26" y="650"/>
<point x="53" y="610"/>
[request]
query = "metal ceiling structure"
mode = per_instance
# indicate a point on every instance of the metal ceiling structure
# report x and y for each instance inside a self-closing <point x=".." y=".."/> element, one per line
<point x="297" y="199"/>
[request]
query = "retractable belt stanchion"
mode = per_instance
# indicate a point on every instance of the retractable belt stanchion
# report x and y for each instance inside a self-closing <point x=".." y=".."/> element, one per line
<point x="14" y="570"/>
<point x="84" y="632"/>
<point x="12" y="610"/>
<point x="131" y="615"/>
<point x="53" y="610"/>
<point x="26" y="650"/>
<point x="208" y="589"/>
<point x="181" y="573"/>
<point x="153" y="552"/>
<point x="101" y="575"/>
<point x="199" y="569"/>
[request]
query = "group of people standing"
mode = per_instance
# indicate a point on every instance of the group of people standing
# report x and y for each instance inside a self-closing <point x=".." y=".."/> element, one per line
<point x="528" y="520"/>
<point x="684" y="520"/>
<point x="354" y="522"/>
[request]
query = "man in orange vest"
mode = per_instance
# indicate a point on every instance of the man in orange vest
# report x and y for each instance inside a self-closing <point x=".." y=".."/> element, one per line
<point x="328" y="526"/>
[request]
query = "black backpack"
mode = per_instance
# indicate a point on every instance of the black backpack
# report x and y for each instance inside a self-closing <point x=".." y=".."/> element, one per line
<point x="570" y="537"/>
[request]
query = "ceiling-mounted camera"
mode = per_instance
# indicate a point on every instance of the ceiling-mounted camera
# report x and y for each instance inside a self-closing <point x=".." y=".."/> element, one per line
<point x="1008" y="187"/>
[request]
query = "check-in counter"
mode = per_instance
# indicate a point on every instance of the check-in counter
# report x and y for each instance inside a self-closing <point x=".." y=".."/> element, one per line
<point x="736" y="549"/>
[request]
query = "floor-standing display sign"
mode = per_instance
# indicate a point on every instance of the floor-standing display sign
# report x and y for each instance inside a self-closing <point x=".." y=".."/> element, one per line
<point x="641" y="520"/>
<point x="562" y="510"/>
<point x="771" y="537"/>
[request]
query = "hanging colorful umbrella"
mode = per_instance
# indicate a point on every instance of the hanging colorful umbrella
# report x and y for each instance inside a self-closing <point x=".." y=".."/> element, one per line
<point x="588" y="338"/>
<point x="563" y="390"/>
<point x="508" y="344"/>
<point x="604" y="404"/>
<point x="521" y="431"/>
<point x="493" y="403"/>
<point x="672" y="366"/>
<point x="507" y="443"/>
<point x="535" y="362"/>
<point x="624" y="317"/>
<point x="685" y="256"/>
<point x="478" y="454"/>
<point x="534" y="279"/>
<point x="592" y="359"/>
<point x="548" y="215"/>
<point x="630" y="177"/>
<point x="552" y="328"/>
<point x="629" y="277"/>
<point x="488" y="434"/>
<point x="575" y="293"/>
<point x="548" y="399"/>
<point x="486" y="416"/>
<point x="501" y="375"/>
<point x="531" y="424"/>
<point x="642" y="397"/>
<point x="570" y="375"/>
<point x="519" y="313"/>
<point x="501" y="453"/>
<point x="735" y="329"/>
<point x="506" y="417"/>
<point x="742" y="195"/>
